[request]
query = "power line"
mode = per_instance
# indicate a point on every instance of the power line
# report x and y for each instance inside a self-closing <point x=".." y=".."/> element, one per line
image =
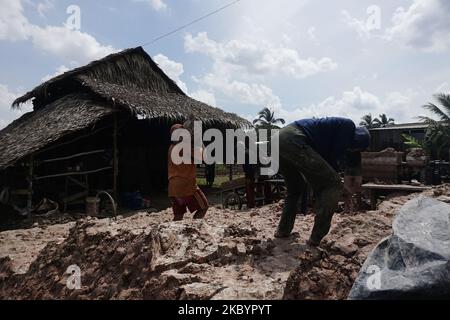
<point x="191" y="23"/>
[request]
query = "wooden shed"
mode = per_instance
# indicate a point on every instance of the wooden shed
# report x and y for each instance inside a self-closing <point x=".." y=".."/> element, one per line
<point x="103" y="126"/>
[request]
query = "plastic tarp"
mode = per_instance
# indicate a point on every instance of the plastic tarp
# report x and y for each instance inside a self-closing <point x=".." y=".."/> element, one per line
<point x="414" y="262"/>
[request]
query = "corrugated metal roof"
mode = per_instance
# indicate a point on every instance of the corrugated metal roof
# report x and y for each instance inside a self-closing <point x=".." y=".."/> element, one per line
<point x="403" y="126"/>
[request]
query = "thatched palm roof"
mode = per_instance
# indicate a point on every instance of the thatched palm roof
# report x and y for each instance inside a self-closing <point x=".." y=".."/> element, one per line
<point x="35" y="130"/>
<point x="129" y="80"/>
<point x="134" y="81"/>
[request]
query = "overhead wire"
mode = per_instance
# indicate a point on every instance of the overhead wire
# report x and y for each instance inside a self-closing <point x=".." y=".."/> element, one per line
<point x="190" y="23"/>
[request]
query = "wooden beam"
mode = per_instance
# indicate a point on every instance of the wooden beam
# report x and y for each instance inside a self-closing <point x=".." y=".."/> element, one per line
<point x="77" y="196"/>
<point x="30" y="184"/>
<point x="394" y="187"/>
<point x="74" y="156"/>
<point x="79" y="183"/>
<point x="72" y="141"/>
<point x="73" y="173"/>
<point x="116" y="159"/>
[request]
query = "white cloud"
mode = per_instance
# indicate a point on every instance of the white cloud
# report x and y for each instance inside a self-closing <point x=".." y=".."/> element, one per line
<point x="443" y="88"/>
<point x="71" y="45"/>
<point x="239" y="66"/>
<point x="241" y="92"/>
<point x="158" y="4"/>
<point x="360" y="26"/>
<point x="173" y="69"/>
<point x="205" y="96"/>
<point x="155" y="4"/>
<point x="263" y="58"/>
<point x="6" y="113"/>
<point x="397" y="100"/>
<point x="403" y="106"/>
<point x="6" y="97"/>
<point x="60" y="70"/>
<point x="44" y="7"/>
<point x="286" y="39"/>
<point x="312" y="35"/>
<point x="423" y="25"/>
<point x="201" y="43"/>
<point x="13" y="24"/>
<point x="355" y="103"/>
<point x="252" y="94"/>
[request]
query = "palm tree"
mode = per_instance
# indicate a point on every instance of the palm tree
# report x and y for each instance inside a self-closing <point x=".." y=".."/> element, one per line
<point x="437" y="136"/>
<point x="384" y="121"/>
<point x="266" y="119"/>
<point x="368" y="121"/>
<point x="442" y="112"/>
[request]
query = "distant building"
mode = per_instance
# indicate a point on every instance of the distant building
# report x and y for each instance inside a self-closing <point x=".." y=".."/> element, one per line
<point x="391" y="136"/>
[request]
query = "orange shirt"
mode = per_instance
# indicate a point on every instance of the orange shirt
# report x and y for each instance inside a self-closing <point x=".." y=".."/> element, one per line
<point x="182" y="178"/>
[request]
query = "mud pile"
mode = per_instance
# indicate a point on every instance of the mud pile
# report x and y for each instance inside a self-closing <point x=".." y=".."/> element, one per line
<point x="229" y="255"/>
<point x="330" y="271"/>
<point x="149" y="257"/>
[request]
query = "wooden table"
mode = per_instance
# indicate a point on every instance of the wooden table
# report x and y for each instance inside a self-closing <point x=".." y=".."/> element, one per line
<point x="376" y="189"/>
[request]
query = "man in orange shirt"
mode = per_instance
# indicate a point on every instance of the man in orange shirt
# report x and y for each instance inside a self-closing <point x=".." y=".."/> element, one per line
<point x="183" y="189"/>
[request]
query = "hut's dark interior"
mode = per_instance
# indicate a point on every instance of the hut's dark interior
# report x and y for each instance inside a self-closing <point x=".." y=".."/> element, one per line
<point x="82" y="164"/>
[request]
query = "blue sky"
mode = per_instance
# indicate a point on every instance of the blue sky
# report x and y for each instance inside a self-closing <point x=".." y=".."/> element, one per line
<point x="302" y="58"/>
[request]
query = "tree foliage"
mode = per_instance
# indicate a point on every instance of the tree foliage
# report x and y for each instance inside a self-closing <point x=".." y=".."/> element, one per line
<point x="267" y="120"/>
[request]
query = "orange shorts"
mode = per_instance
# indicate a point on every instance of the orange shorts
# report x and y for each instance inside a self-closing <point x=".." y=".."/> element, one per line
<point x="194" y="203"/>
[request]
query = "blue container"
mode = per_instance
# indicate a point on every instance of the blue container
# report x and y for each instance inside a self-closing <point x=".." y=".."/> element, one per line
<point x="133" y="200"/>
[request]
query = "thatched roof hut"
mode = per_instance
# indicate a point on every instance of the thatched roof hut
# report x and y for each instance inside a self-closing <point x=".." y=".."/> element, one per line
<point x="127" y="81"/>
<point x="120" y="102"/>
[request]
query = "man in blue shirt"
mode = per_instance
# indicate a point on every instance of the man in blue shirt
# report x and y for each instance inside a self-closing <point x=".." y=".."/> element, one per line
<point x="310" y="151"/>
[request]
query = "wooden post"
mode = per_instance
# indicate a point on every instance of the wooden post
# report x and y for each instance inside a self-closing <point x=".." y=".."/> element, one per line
<point x="373" y="199"/>
<point x="30" y="185"/>
<point x="66" y="191"/>
<point x="231" y="172"/>
<point x="116" y="159"/>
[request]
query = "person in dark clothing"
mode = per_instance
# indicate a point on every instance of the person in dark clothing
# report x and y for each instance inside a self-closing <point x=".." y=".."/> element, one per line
<point x="210" y="174"/>
<point x="310" y="150"/>
<point x="353" y="181"/>
<point x="250" y="176"/>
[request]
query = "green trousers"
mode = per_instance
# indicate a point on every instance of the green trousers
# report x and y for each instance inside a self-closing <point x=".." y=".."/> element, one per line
<point x="300" y="163"/>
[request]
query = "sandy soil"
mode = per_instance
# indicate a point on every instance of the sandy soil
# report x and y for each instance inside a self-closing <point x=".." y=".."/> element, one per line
<point x="229" y="255"/>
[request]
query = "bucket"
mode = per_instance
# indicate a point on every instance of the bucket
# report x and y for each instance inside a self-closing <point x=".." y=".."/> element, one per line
<point x="92" y="205"/>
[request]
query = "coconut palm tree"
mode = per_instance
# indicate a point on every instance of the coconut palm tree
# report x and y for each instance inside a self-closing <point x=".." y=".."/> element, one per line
<point x="384" y="121"/>
<point x="368" y="121"/>
<point x="266" y="119"/>
<point x="442" y="111"/>
<point x="438" y="132"/>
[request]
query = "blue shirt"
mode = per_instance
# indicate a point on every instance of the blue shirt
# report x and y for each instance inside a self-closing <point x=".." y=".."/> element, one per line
<point x="330" y="137"/>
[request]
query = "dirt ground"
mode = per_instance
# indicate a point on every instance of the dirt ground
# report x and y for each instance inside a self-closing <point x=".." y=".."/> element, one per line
<point x="229" y="255"/>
